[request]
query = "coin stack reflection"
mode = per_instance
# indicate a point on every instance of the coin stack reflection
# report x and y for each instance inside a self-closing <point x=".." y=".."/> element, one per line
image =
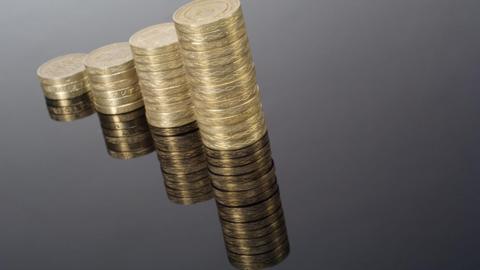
<point x="170" y="115"/>
<point x="226" y="98"/>
<point x="126" y="135"/>
<point x="118" y="101"/>
<point x="66" y="87"/>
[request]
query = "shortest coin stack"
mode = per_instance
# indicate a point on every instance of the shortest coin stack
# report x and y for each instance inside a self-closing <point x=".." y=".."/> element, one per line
<point x="66" y="87"/>
<point x="183" y="163"/>
<point x="126" y="135"/>
<point x="249" y="205"/>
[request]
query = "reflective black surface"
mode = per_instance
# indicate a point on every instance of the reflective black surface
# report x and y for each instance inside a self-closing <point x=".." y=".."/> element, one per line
<point x="372" y="110"/>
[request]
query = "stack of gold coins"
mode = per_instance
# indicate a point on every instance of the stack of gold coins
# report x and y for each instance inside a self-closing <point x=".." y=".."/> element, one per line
<point x="225" y="94"/>
<point x="66" y="87"/>
<point x="169" y="111"/>
<point x="126" y="135"/>
<point x="114" y="81"/>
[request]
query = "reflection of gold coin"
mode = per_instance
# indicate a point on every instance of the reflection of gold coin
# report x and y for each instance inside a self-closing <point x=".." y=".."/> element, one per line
<point x="130" y="154"/>
<point x="71" y="117"/>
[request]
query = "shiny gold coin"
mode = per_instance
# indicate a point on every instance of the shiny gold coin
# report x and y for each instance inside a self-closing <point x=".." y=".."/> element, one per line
<point x="250" y="213"/>
<point x="129" y="147"/>
<point x="158" y="58"/>
<point x="72" y="109"/>
<point x="205" y="14"/>
<point x="179" y="155"/>
<point x="190" y="200"/>
<point x="83" y="99"/>
<point x="254" y="229"/>
<point x="62" y="69"/>
<point x="156" y="39"/>
<point x="242" y="161"/>
<point x="179" y="192"/>
<point x="131" y="154"/>
<point x="118" y="93"/>
<point x="137" y="122"/>
<point x="239" y="153"/>
<point x="71" y="117"/>
<point x="119" y="133"/>
<point x="116" y="118"/>
<point x="129" y="139"/>
<point x="183" y="182"/>
<point x="185" y="169"/>
<point x="110" y="59"/>
<point x="246" y="229"/>
<point x="243" y="198"/>
<point x="175" y="131"/>
<point x="246" y="181"/>
<point x="260" y="262"/>
<point x="241" y="170"/>
<point x="115" y="86"/>
<point x="199" y="175"/>
<point x="258" y="245"/>
<point x="119" y="109"/>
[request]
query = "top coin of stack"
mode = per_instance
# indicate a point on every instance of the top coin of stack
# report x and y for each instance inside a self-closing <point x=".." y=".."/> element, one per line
<point x="161" y="75"/>
<point x="64" y="77"/>
<point x="111" y="71"/>
<point x="220" y="68"/>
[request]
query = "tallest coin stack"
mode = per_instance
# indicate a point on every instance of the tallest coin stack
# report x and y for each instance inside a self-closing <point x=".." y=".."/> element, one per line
<point x="219" y="66"/>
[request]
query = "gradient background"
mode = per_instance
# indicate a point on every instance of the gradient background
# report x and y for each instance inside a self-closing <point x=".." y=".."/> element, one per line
<point x="373" y="110"/>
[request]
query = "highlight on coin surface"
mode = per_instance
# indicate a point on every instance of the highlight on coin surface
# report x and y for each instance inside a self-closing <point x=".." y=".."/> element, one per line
<point x="66" y="87"/>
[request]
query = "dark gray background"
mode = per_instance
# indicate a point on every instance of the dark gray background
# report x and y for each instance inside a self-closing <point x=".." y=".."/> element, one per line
<point x="373" y="110"/>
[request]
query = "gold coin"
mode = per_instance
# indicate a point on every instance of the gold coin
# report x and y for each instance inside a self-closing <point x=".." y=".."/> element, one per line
<point x="118" y="93"/>
<point x="258" y="245"/>
<point x="62" y="69"/>
<point x="113" y="102"/>
<point x="71" y="117"/>
<point x="156" y="39"/>
<point x="119" y="109"/>
<point x="202" y="14"/>
<point x="129" y="139"/>
<point x="250" y="213"/>
<point x="113" y="77"/>
<point x="130" y="124"/>
<point x="110" y="59"/>
<point x="71" y="109"/>
<point x="85" y="99"/>
<point x="159" y="58"/>
<point x="190" y="200"/>
<point x="244" y="182"/>
<point x="243" y="198"/>
<point x="130" y="154"/>
<point x="119" y="118"/>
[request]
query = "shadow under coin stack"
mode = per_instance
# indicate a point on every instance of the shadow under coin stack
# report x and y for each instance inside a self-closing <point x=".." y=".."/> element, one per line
<point x="66" y="88"/>
<point x="170" y="115"/>
<point x="118" y="101"/>
<point x="226" y="98"/>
